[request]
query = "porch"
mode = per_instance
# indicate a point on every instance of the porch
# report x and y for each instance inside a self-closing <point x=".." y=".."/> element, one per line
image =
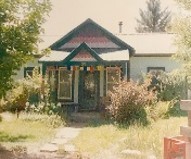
<point x="85" y="64"/>
<point x="81" y="88"/>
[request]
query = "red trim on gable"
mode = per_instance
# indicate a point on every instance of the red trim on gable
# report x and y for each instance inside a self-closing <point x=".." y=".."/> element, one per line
<point x="89" y="40"/>
<point x="83" y="56"/>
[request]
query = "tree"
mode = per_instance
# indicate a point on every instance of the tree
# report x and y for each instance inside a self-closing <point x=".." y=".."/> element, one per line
<point x="153" y="19"/>
<point x="182" y="27"/>
<point x="20" y="27"/>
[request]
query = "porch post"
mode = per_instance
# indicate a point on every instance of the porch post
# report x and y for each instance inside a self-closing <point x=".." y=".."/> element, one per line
<point x="101" y="82"/>
<point x="76" y="82"/>
<point x="125" y="72"/>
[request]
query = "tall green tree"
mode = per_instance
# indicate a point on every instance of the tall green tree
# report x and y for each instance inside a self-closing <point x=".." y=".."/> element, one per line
<point x="153" y="19"/>
<point x="20" y="27"/>
<point x="182" y="28"/>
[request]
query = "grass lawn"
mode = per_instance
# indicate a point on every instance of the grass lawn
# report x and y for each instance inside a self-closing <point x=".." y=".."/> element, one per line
<point x="27" y="131"/>
<point x="108" y="141"/>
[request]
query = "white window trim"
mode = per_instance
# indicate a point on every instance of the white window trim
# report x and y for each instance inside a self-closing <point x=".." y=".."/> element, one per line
<point x="52" y="78"/>
<point x="109" y="68"/>
<point x="68" y="98"/>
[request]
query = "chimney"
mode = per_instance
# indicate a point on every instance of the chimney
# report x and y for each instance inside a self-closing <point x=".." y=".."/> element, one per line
<point x="120" y="26"/>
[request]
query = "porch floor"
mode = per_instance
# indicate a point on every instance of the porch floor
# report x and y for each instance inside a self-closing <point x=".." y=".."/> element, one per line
<point x="83" y="119"/>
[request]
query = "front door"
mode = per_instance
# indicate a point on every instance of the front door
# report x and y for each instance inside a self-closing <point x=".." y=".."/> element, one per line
<point x="88" y="90"/>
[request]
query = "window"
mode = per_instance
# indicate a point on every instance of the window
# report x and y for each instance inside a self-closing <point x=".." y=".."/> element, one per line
<point x="65" y="83"/>
<point x="52" y="79"/>
<point x="28" y="71"/>
<point x="113" y="75"/>
<point x="155" y="70"/>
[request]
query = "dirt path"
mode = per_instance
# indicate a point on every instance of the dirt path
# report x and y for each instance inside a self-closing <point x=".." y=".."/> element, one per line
<point x="60" y="147"/>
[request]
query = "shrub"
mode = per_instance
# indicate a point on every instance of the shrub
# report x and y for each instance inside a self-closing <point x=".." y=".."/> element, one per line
<point x="45" y="108"/>
<point x="25" y="89"/>
<point x="169" y="86"/>
<point x="158" y="111"/>
<point x="128" y="102"/>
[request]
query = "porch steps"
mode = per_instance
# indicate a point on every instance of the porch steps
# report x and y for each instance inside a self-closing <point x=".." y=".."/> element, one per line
<point x="85" y="117"/>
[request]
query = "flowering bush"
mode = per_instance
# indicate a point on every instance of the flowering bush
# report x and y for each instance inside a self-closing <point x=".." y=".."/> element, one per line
<point x="128" y="101"/>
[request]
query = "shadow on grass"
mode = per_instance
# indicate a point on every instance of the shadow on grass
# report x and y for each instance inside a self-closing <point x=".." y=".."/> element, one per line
<point x="4" y="137"/>
<point x="19" y="152"/>
<point x="87" y="119"/>
<point x="99" y="122"/>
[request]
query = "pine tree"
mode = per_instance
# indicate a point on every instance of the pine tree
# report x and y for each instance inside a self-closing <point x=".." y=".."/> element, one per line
<point x="153" y="19"/>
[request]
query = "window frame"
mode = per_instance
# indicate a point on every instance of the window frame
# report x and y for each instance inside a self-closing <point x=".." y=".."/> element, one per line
<point x="28" y="69"/>
<point x="59" y="83"/>
<point x="53" y="76"/>
<point x="119" y="76"/>
<point x="155" y="68"/>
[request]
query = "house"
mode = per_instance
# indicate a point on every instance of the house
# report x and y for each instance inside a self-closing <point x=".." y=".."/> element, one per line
<point x="153" y="52"/>
<point x="88" y="61"/>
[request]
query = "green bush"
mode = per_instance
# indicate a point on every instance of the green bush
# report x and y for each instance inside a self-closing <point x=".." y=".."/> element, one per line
<point x="25" y="90"/>
<point x="128" y="102"/>
<point x="158" y="111"/>
<point x="169" y="86"/>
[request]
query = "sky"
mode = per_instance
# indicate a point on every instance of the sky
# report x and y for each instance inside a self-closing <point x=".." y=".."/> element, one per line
<point x="67" y="14"/>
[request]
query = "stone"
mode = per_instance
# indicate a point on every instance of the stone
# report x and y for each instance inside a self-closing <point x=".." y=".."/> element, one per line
<point x="59" y="141"/>
<point x="68" y="133"/>
<point x="185" y="131"/>
<point x="69" y="148"/>
<point x="49" y="148"/>
<point x="185" y="105"/>
<point x="189" y="118"/>
<point x="131" y="152"/>
<point x="151" y="157"/>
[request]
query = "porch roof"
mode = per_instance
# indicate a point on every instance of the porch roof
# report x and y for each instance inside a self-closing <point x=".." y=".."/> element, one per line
<point x="54" y="56"/>
<point x="115" y="56"/>
<point x="58" y="56"/>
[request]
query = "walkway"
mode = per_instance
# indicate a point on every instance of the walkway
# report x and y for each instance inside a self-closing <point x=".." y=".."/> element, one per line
<point x="61" y="146"/>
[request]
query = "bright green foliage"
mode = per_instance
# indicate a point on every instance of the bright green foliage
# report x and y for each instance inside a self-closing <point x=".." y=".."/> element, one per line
<point x="153" y="19"/>
<point x="128" y="102"/>
<point x="20" y="26"/>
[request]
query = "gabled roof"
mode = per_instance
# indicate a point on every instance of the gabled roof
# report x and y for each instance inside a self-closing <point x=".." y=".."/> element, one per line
<point x="83" y="53"/>
<point x="107" y="41"/>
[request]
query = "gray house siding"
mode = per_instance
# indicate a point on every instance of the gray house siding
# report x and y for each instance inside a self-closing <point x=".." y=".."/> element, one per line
<point x="139" y="65"/>
<point x="21" y="72"/>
